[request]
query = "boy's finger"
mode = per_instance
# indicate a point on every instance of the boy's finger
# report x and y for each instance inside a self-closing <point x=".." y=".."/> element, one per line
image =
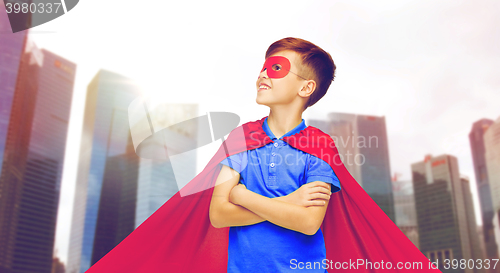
<point x="318" y="184"/>
<point x="321" y="190"/>
<point x="322" y="196"/>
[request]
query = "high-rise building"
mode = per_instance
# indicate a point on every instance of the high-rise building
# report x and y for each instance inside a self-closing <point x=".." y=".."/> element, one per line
<point x="33" y="156"/>
<point x="492" y="155"/>
<point x="105" y="135"/>
<point x="446" y="222"/>
<point x="404" y="204"/>
<point x="116" y="212"/>
<point x="496" y="227"/>
<point x="116" y="190"/>
<point x="363" y="147"/>
<point x="476" y="244"/>
<point x="11" y="50"/>
<point x="57" y="266"/>
<point x="480" y="234"/>
<point x="156" y="179"/>
<point x="477" y="145"/>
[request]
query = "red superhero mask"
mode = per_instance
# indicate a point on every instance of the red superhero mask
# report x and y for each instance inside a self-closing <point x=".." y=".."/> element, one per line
<point x="277" y="67"/>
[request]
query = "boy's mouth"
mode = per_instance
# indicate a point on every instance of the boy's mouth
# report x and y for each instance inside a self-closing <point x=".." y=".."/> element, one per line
<point x="263" y="86"/>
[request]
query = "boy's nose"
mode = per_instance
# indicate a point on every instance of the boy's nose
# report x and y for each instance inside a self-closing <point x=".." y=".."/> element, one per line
<point x="263" y="74"/>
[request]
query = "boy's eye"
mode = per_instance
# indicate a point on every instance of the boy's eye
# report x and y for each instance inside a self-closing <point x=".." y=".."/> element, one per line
<point x="276" y="67"/>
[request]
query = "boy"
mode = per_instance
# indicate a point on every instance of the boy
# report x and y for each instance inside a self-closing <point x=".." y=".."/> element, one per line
<point x="276" y="210"/>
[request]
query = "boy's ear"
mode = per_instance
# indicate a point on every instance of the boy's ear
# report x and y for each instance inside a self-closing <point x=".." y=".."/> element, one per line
<point x="308" y="88"/>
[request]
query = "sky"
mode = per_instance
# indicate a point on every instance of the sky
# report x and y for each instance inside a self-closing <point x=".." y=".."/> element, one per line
<point x="428" y="67"/>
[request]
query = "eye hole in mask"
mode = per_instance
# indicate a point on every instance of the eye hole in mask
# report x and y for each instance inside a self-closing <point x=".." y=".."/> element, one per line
<point x="277" y="67"/>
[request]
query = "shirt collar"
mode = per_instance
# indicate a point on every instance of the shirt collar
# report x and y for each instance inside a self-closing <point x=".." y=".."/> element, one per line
<point x="295" y="130"/>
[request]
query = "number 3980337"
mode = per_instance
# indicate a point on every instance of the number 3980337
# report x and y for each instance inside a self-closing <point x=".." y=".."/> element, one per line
<point x="32" y="7"/>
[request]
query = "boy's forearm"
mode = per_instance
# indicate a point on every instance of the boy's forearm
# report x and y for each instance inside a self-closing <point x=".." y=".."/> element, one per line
<point x="277" y="211"/>
<point x="236" y="215"/>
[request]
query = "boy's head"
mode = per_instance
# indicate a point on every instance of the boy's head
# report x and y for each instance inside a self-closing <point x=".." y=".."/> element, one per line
<point x="309" y="62"/>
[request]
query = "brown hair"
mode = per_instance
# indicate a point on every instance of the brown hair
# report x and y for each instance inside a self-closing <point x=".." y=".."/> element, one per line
<point x="316" y="64"/>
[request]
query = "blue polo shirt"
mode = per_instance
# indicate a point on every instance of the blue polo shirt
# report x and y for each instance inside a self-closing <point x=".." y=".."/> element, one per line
<point x="277" y="169"/>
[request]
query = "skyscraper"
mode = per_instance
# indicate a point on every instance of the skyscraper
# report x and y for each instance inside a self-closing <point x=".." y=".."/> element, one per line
<point x="406" y="216"/>
<point x="477" y="145"/>
<point x="11" y="49"/>
<point x="33" y="158"/>
<point x="105" y="135"/>
<point x="156" y="178"/>
<point x="474" y="238"/>
<point x="445" y="215"/>
<point x="362" y="144"/>
<point x="117" y="204"/>
<point x="492" y="156"/>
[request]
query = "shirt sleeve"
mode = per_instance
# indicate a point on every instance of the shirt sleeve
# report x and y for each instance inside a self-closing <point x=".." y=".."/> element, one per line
<point x="234" y="162"/>
<point x="319" y="170"/>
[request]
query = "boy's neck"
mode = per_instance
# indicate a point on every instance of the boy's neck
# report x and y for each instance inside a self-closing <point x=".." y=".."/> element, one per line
<point x="281" y="122"/>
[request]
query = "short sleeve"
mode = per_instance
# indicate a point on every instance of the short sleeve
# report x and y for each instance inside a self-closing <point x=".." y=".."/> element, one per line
<point x="234" y="162"/>
<point x="319" y="170"/>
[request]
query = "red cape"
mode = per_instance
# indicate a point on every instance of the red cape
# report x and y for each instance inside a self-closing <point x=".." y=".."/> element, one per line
<point x="178" y="237"/>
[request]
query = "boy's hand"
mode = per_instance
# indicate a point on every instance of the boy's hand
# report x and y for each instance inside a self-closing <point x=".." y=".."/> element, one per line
<point x="234" y="194"/>
<point x="310" y="194"/>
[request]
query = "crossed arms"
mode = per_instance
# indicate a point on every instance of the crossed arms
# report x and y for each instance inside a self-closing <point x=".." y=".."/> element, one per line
<point x="233" y="205"/>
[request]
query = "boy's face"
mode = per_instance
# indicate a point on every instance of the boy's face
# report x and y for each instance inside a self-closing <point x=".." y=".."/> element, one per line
<point x="275" y="89"/>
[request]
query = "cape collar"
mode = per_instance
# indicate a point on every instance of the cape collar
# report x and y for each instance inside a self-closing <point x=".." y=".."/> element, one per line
<point x="298" y="128"/>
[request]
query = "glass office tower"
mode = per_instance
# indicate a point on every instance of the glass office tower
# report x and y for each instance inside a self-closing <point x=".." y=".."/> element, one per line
<point x="156" y="179"/>
<point x="492" y="156"/>
<point x="33" y="156"/>
<point x="362" y="144"/>
<point x="105" y="135"/>
<point x="11" y="49"/>
<point x="477" y="145"/>
<point x="445" y="215"/>
<point x="404" y="203"/>
<point x="477" y="246"/>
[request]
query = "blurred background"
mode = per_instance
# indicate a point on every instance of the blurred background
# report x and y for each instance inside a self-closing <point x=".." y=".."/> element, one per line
<point x="414" y="109"/>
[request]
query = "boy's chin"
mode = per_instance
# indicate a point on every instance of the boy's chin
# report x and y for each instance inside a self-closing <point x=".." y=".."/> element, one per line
<point x="261" y="102"/>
